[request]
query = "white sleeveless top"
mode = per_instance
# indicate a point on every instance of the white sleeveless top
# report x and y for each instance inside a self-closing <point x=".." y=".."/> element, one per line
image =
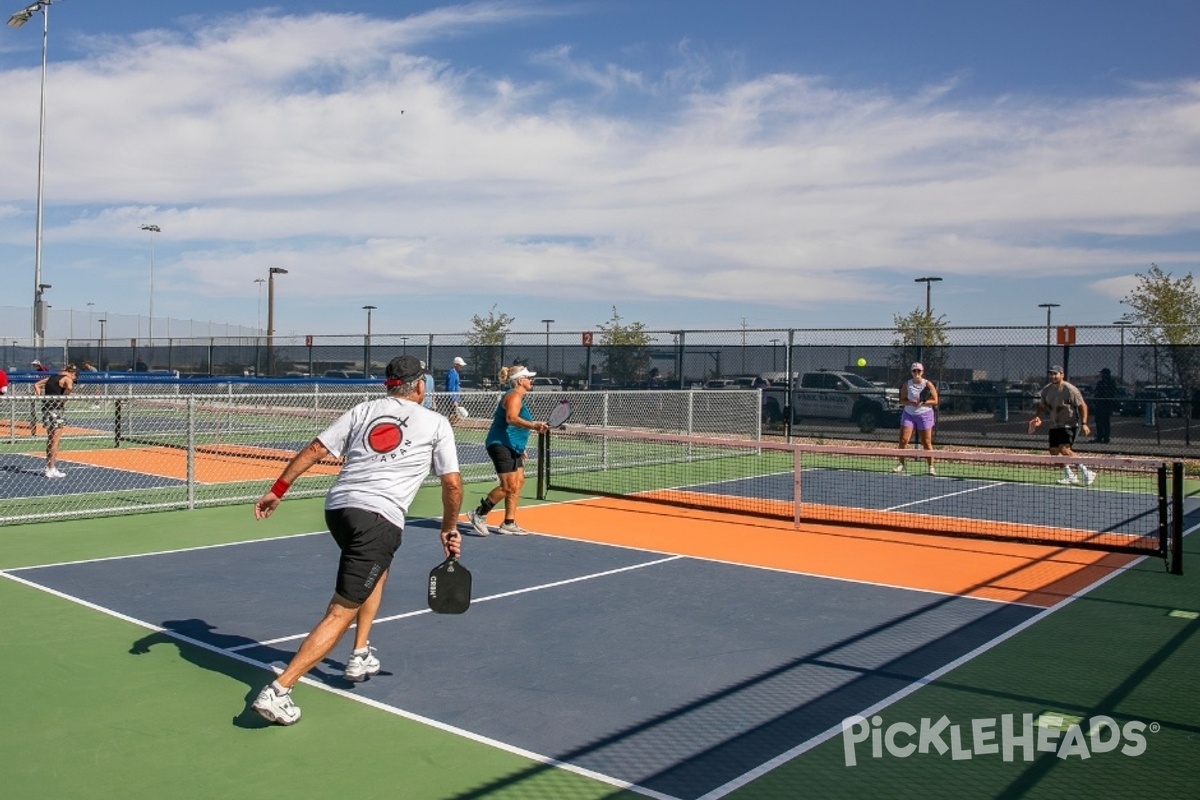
<point x="912" y="392"/>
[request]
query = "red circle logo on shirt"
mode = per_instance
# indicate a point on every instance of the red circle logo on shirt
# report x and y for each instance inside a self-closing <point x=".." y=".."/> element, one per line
<point x="384" y="437"/>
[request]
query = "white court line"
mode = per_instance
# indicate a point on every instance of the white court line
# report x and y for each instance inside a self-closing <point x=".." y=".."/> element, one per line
<point x="900" y="694"/>
<point x="475" y="601"/>
<point x="163" y="552"/>
<point x="399" y="712"/>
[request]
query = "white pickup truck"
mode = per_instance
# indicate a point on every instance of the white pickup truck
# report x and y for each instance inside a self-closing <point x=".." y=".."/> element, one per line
<point x="833" y="395"/>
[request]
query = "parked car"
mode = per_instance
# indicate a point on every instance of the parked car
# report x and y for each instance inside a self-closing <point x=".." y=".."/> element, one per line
<point x="1167" y="401"/>
<point x="346" y="374"/>
<point x="547" y="384"/>
<point x="834" y="395"/>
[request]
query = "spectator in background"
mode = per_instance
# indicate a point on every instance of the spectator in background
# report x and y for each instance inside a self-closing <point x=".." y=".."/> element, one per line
<point x="428" y="401"/>
<point x="39" y="366"/>
<point x="454" y="386"/>
<point x="1106" y="401"/>
<point x="87" y="366"/>
<point x="3" y="382"/>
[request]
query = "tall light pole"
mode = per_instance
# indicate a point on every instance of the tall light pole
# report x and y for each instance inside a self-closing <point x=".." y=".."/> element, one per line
<point x="260" y="282"/>
<point x="39" y="314"/>
<point x="367" y="344"/>
<point x="1123" y="323"/>
<point x="271" y="273"/>
<point x="548" y="323"/>
<point x="1049" y="308"/>
<point x="151" y="229"/>
<point x="928" y="293"/>
<point x="15" y="21"/>
<point x="102" y="364"/>
<point x="928" y="281"/>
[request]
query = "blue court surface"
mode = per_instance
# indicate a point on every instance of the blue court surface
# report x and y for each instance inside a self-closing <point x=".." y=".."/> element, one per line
<point x="23" y="475"/>
<point x="677" y="676"/>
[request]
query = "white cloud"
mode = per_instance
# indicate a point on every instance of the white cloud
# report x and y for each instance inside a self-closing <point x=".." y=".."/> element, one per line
<point x="330" y="144"/>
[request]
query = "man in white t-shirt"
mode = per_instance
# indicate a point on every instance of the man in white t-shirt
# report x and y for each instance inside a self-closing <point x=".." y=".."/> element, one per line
<point x="388" y="446"/>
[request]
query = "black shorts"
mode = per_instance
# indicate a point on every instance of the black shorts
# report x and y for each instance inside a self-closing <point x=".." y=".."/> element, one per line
<point x="368" y="542"/>
<point x="505" y="459"/>
<point x="1062" y="436"/>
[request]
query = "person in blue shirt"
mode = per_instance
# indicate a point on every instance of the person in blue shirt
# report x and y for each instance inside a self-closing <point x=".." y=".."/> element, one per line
<point x="506" y="441"/>
<point x="428" y="377"/>
<point x="454" y="386"/>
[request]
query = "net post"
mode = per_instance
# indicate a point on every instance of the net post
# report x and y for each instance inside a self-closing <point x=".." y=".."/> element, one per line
<point x="1175" y="562"/>
<point x="797" y="469"/>
<point x="117" y="423"/>
<point x="1163" y="502"/>
<point x="543" y="453"/>
<point x="191" y="452"/>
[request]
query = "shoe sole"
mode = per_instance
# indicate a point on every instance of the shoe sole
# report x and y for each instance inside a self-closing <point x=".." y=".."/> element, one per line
<point x="271" y="716"/>
<point x="358" y="677"/>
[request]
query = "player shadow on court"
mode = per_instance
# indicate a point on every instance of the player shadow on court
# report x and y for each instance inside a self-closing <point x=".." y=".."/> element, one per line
<point x="221" y="653"/>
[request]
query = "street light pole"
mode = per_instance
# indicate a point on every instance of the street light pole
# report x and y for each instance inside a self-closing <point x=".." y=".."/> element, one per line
<point x="367" y="343"/>
<point x="928" y="293"/>
<point x="1049" y="307"/>
<point x="151" y="229"/>
<point x="271" y="273"/>
<point x="258" y="324"/>
<point x="548" y="323"/>
<point x="16" y="21"/>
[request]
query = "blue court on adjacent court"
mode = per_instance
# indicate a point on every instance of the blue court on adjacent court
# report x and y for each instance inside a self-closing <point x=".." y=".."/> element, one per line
<point x="673" y="674"/>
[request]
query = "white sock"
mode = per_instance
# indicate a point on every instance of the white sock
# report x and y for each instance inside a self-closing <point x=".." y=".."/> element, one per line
<point x="278" y="687"/>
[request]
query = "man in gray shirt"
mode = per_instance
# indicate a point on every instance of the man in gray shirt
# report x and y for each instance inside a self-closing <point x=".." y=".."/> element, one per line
<point x="1065" y="409"/>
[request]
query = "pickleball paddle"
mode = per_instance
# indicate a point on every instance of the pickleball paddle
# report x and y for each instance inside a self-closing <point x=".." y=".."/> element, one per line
<point x="449" y="588"/>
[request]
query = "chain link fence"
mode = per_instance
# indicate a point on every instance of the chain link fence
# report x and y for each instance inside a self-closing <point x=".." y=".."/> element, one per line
<point x="134" y="447"/>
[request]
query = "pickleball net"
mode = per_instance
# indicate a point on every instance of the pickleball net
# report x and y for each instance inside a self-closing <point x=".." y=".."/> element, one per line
<point x="991" y="495"/>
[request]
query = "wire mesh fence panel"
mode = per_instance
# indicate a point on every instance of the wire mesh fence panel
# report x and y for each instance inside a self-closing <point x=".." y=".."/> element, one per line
<point x="139" y="448"/>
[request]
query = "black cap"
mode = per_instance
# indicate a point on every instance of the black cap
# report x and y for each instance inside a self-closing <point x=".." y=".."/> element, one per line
<point x="1106" y="371"/>
<point x="1056" y="368"/>
<point x="403" y="368"/>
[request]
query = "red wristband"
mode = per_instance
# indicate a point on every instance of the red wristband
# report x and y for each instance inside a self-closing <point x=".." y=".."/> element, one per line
<point x="280" y="488"/>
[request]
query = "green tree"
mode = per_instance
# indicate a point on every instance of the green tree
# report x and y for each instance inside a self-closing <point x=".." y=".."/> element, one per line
<point x="1166" y="315"/>
<point x="626" y="349"/>
<point x="920" y="337"/>
<point x="486" y="341"/>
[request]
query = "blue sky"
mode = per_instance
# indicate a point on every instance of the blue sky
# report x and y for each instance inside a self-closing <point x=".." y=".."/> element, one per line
<point x="701" y="164"/>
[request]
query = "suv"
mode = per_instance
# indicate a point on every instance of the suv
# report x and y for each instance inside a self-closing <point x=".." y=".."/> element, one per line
<point x="834" y="395"/>
<point x="547" y="384"/>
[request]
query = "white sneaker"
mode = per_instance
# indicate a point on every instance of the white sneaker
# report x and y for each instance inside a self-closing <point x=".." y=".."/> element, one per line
<point x="479" y="523"/>
<point x="898" y="468"/>
<point x="512" y="529"/>
<point x="1089" y="477"/>
<point x="1068" y="479"/>
<point x="275" y="707"/>
<point x="362" y="665"/>
<point x="932" y="471"/>
<point x="54" y="473"/>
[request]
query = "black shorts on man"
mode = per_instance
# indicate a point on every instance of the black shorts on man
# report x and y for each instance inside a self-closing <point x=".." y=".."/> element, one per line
<point x="1062" y="436"/>
<point x="368" y="542"/>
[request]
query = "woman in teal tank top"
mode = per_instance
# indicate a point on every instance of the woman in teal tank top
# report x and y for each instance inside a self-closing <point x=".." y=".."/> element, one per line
<point x="506" y="442"/>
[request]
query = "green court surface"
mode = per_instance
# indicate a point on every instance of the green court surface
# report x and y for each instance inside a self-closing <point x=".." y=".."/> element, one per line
<point x="86" y="718"/>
